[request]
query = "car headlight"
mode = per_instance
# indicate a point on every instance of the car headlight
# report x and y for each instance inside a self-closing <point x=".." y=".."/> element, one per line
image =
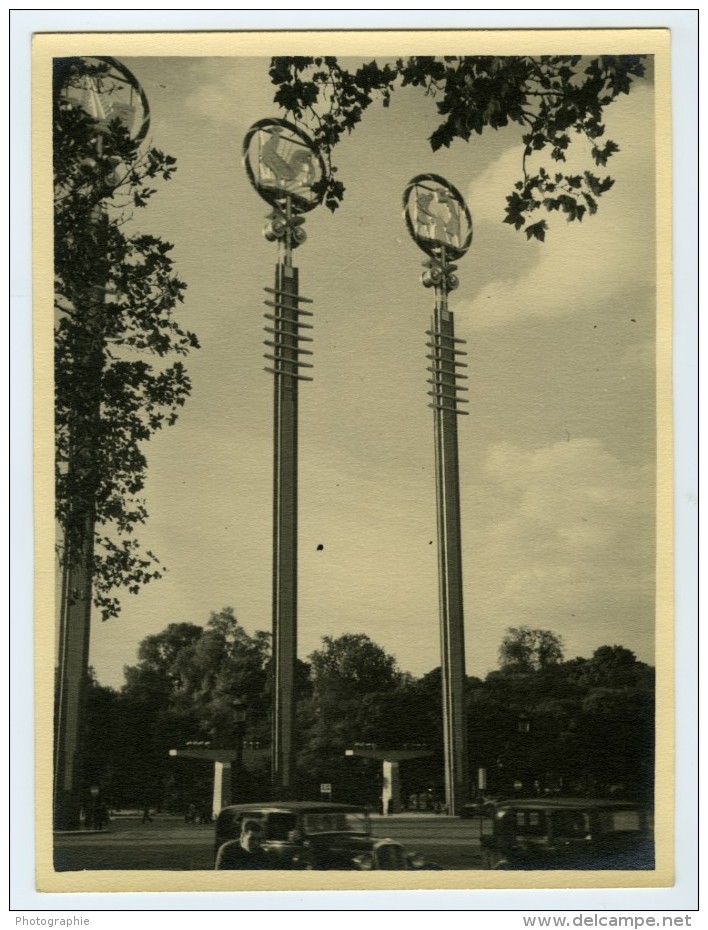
<point x="364" y="861"/>
<point x="416" y="861"/>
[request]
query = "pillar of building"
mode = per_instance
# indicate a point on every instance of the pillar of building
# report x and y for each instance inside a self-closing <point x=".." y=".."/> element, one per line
<point x="223" y="760"/>
<point x="222" y="787"/>
<point x="391" y="792"/>
<point x="391" y="760"/>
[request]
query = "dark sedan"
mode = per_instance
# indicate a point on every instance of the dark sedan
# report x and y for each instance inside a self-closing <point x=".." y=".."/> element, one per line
<point x="570" y="833"/>
<point x="316" y="835"/>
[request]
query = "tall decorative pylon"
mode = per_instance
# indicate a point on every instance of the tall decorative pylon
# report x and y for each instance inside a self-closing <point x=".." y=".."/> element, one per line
<point x="440" y="224"/>
<point x="283" y="166"/>
<point x="105" y="90"/>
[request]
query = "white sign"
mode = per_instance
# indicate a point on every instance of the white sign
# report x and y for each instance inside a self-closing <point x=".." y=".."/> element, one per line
<point x="325" y="789"/>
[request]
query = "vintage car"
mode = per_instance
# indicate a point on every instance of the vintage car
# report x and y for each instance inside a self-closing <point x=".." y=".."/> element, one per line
<point x="569" y="833"/>
<point x="316" y="835"/>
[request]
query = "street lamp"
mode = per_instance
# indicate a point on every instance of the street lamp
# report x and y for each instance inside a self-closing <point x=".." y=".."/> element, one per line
<point x="284" y="167"/>
<point x="440" y="224"/>
<point x="106" y="91"/>
<point x="523" y="728"/>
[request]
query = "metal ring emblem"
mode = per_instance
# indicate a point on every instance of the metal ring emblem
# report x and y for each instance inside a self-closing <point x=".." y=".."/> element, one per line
<point x="282" y="162"/>
<point x="437" y="216"/>
<point x="103" y="96"/>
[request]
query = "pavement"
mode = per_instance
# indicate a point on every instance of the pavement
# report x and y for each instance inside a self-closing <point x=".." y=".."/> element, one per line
<point x="168" y="843"/>
<point x="397" y="817"/>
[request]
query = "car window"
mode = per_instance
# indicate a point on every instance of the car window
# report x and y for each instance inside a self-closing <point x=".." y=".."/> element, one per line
<point x="336" y="822"/>
<point x="229" y="822"/>
<point x="627" y="821"/>
<point x="529" y="823"/>
<point x="570" y="824"/>
<point x="278" y="825"/>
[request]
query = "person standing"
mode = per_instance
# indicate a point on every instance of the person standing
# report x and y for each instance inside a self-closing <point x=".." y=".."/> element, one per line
<point x="245" y="853"/>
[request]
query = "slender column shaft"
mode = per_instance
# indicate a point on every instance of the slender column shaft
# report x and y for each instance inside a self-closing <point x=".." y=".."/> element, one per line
<point x="449" y="560"/>
<point x="77" y="569"/>
<point x="74" y="636"/>
<point x="285" y="534"/>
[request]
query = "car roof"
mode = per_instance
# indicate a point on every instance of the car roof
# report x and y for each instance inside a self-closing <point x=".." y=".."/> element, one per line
<point x="566" y="803"/>
<point x="297" y="807"/>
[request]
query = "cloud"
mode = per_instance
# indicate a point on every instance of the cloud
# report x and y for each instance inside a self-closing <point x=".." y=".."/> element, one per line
<point x="220" y="94"/>
<point x="211" y="101"/>
<point x="579" y="264"/>
<point x="568" y="545"/>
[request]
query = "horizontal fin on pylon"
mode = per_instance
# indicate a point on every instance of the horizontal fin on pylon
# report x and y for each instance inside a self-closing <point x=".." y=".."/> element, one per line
<point x="438" y="358"/>
<point x="453" y="397"/>
<point x="297" y="336"/>
<point x="439" y="370"/>
<point x="278" y="345"/>
<point x="283" y="319"/>
<point x="289" y="361"/>
<point x="439" y="335"/>
<point x="439" y="381"/>
<point x="464" y="413"/>
<point x="279" y="306"/>
<point x="445" y="351"/>
<point x="302" y="300"/>
<point x="288" y="374"/>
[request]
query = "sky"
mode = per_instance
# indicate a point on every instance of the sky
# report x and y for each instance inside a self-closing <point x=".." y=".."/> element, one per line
<point x="557" y="456"/>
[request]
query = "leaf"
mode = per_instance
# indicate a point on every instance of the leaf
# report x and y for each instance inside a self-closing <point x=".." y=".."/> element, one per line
<point x="537" y="231"/>
<point x="442" y="136"/>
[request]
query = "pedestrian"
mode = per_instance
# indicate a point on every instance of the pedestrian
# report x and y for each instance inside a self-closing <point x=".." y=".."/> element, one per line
<point x="245" y="853"/>
<point x="206" y="815"/>
<point x="100" y="816"/>
<point x="146" y="814"/>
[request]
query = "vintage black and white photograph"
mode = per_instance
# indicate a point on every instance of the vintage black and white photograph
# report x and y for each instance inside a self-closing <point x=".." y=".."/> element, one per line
<point x="357" y="406"/>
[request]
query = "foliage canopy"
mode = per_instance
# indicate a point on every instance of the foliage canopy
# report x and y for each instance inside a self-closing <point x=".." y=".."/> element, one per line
<point x="583" y="724"/>
<point x="555" y="100"/>
<point x="115" y="300"/>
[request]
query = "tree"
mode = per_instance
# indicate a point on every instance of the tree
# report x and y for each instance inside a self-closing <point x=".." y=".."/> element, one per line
<point x="523" y="649"/>
<point x="183" y="688"/>
<point x="350" y="667"/>
<point x="353" y="683"/>
<point x="224" y="664"/>
<point x="115" y="297"/>
<point x="159" y="653"/>
<point x="553" y="99"/>
<point x="100" y="723"/>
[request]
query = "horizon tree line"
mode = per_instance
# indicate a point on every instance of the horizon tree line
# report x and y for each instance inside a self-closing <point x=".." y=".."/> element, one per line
<point x="538" y="723"/>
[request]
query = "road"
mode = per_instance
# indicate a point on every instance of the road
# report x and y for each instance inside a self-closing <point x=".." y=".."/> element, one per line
<point x="169" y="843"/>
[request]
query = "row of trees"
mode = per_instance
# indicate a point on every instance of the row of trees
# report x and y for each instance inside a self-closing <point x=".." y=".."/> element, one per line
<point x="537" y="721"/>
